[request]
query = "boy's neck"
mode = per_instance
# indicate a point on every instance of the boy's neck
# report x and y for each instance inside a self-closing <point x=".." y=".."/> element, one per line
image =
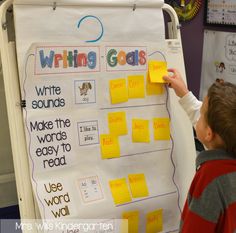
<point x="216" y="143"/>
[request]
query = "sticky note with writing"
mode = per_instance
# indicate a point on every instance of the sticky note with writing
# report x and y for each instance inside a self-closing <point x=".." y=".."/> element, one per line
<point x="124" y="226"/>
<point x="154" y="221"/>
<point x="161" y="128"/>
<point x="138" y="185"/>
<point x="156" y="70"/>
<point x="153" y="88"/>
<point x="136" y="86"/>
<point x="120" y="191"/>
<point x="118" y="90"/>
<point x="140" y="130"/>
<point x="110" y="146"/>
<point x="133" y="220"/>
<point x="117" y="123"/>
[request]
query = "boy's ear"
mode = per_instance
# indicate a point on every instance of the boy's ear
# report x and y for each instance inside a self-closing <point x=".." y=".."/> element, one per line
<point x="209" y="134"/>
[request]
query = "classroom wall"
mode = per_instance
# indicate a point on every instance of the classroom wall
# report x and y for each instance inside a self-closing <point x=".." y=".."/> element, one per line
<point x="192" y="40"/>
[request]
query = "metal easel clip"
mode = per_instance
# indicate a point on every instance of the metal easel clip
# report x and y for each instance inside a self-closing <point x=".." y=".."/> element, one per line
<point x="23" y="103"/>
<point x="4" y="26"/>
<point x="54" y="6"/>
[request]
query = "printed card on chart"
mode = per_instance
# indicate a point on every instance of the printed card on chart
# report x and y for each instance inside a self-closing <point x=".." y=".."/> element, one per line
<point x="90" y="189"/>
<point x="85" y="91"/>
<point x="88" y="132"/>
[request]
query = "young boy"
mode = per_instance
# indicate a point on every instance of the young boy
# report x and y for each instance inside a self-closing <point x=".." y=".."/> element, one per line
<point x="211" y="202"/>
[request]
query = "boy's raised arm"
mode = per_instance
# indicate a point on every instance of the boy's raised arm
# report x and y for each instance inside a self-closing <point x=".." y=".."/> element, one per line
<point x="176" y="82"/>
<point x="188" y="101"/>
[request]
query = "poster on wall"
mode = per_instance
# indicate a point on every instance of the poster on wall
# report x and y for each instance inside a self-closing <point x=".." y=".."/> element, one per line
<point x="219" y="58"/>
<point x="99" y="134"/>
<point x="220" y="13"/>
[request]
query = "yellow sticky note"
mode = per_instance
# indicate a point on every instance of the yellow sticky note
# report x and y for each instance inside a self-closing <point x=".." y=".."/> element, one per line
<point x="136" y="86"/>
<point x="124" y="226"/>
<point x="120" y="191"/>
<point x="154" y="221"/>
<point x="161" y="128"/>
<point x="118" y="90"/>
<point x="138" y="185"/>
<point x="153" y="88"/>
<point x="156" y="70"/>
<point x="117" y="123"/>
<point x="133" y="220"/>
<point x="140" y="130"/>
<point x="110" y="146"/>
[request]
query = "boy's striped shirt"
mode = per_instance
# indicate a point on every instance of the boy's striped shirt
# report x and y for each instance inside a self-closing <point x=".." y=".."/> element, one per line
<point x="211" y="202"/>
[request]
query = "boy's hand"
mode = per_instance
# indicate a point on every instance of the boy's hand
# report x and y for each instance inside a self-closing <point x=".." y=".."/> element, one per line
<point x="176" y="82"/>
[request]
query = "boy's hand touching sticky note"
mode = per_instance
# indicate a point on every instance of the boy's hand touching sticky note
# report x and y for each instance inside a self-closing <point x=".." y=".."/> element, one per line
<point x="118" y="91"/>
<point x="140" y="130"/>
<point x="156" y="71"/>
<point x="138" y="185"/>
<point x="120" y="191"/>
<point x="110" y="147"/>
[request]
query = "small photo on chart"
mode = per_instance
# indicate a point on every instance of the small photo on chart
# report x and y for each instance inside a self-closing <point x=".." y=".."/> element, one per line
<point x="85" y="91"/>
<point x="90" y="189"/>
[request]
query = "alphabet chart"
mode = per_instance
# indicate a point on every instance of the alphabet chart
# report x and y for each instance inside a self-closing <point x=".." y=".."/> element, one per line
<point x="99" y="134"/>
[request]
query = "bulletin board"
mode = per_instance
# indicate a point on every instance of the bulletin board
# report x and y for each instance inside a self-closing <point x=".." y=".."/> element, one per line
<point x="220" y="60"/>
<point x="220" y="13"/>
<point x="102" y="140"/>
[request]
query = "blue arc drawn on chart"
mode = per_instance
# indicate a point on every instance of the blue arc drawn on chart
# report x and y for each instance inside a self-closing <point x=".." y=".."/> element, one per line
<point x="96" y="18"/>
<point x="149" y="55"/>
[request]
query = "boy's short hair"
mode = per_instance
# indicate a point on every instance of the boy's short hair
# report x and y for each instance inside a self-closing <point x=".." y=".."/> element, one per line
<point x="221" y="113"/>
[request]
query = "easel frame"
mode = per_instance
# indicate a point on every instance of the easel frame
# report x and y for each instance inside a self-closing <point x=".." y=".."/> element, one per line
<point x="27" y="204"/>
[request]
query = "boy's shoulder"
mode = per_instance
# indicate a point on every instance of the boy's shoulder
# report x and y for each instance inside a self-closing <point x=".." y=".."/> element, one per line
<point x="212" y="158"/>
<point x="216" y="162"/>
<point x="214" y="167"/>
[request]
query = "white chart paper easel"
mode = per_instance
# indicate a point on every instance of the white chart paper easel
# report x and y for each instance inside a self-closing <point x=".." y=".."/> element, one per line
<point x="182" y="162"/>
